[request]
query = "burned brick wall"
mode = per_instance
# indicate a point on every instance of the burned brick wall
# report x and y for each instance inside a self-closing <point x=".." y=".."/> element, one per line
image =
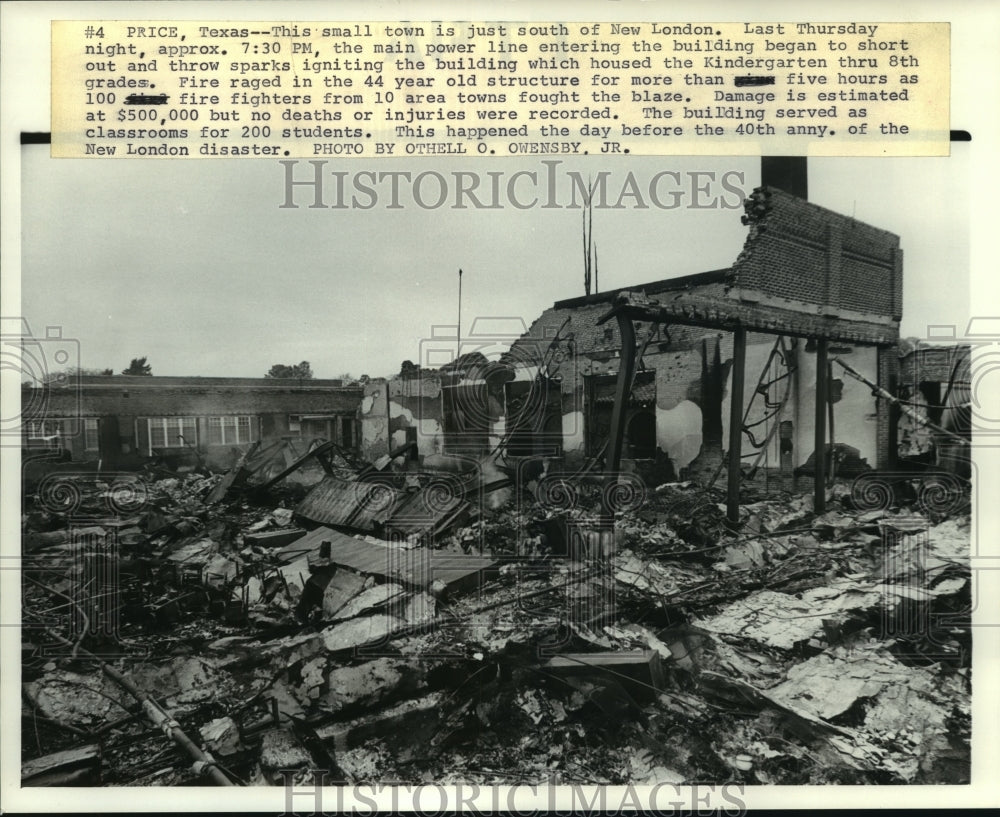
<point x="800" y="253"/>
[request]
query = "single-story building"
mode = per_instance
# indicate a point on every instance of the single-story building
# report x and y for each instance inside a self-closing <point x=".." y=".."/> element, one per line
<point x="122" y="420"/>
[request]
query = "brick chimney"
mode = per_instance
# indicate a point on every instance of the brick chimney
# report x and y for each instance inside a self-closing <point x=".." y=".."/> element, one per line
<point x="788" y="173"/>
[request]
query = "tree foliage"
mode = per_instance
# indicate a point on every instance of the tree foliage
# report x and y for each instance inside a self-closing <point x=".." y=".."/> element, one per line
<point x="139" y="367"/>
<point x="301" y="371"/>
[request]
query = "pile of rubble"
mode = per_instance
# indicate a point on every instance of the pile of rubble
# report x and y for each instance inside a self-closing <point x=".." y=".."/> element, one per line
<point x="387" y="627"/>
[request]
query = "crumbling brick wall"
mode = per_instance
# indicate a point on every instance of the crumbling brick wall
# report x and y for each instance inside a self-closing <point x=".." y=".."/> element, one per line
<point x="799" y="252"/>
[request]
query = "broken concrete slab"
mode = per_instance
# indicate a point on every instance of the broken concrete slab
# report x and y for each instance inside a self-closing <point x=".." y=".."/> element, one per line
<point x="371" y="683"/>
<point x="360" y="632"/>
<point x="286" y="699"/>
<point x="74" y="698"/>
<point x="375" y="596"/>
<point x="221" y="737"/>
<point x="288" y="651"/>
<point x="828" y="685"/>
<point x="183" y="680"/>
<point x="343" y="586"/>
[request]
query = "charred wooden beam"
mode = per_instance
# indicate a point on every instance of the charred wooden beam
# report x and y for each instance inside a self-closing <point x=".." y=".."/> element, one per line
<point x="736" y="426"/>
<point x="623" y="388"/>
<point x="819" y="456"/>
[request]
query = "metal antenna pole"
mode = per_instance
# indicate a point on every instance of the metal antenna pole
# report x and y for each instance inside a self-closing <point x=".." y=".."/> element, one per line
<point x="458" y="339"/>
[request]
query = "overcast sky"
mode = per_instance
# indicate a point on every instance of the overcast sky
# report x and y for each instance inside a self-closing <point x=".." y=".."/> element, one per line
<point x="194" y="265"/>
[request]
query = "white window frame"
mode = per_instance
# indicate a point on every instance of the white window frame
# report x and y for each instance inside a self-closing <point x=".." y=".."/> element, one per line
<point x="50" y="432"/>
<point x="37" y="429"/>
<point x="171" y="441"/>
<point x="230" y="429"/>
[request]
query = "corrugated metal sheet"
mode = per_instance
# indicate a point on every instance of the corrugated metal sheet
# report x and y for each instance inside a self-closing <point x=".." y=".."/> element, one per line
<point x="427" y="513"/>
<point x="416" y="567"/>
<point x="349" y="504"/>
<point x="365" y="506"/>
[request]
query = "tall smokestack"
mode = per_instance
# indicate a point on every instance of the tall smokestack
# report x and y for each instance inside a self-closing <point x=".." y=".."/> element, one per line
<point x="788" y="173"/>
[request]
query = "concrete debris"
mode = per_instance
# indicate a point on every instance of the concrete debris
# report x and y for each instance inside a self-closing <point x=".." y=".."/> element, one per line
<point x="221" y="737"/>
<point x="75" y="698"/>
<point x="342" y="587"/>
<point x="317" y="624"/>
<point x="281" y="751"/>
<point x="363" y="686"/>
<point x="361" y="632"/>
<point x="376" y="596"/>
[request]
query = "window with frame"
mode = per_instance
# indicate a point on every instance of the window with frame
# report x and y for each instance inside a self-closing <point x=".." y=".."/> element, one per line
<point x="90" y="434"/>
<point x="48" y="433"/>
<point x="44" y="429"/>
<point x="172" y="432"/>
<point x="59" y="432"/>
<point x="230" y="430"/>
